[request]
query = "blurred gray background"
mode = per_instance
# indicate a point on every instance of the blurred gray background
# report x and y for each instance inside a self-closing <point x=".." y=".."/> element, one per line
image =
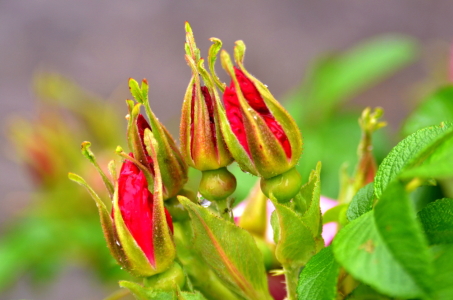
<point x="100" y="44"/>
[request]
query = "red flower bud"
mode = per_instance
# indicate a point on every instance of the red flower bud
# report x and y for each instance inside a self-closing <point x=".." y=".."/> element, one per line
<point x="260" y="134"/>
<point x="202" y="144"/>
<point x="136" y="205"/>
<point x="172" y="165"/>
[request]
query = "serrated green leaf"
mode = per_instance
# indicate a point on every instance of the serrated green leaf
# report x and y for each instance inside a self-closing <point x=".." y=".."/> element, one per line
<point x="438" y="165"/>
<point x="436" y="108"/>
<point x="319" y="278"/>
<point x="411" y="151"/>
<point x="437" y="221"/>
<point x="361" y="203"/>
<point x="360" y="249"/>
<point x="295" y="241"/>
<point x="443" y="279"/>
<point x="220" y="243"/>
<point x="396" y="222"/>
<point x="307" y="202"/>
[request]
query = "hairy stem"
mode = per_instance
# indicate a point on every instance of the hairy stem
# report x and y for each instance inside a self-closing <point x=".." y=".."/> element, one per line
<point x="291" y="278"/>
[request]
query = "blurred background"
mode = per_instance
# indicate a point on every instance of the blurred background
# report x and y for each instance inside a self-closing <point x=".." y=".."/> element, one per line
<point x="64" y="78"/>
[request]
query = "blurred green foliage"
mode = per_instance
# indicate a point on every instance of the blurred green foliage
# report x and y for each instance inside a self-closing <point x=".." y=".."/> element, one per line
<point x="60" y="226"/>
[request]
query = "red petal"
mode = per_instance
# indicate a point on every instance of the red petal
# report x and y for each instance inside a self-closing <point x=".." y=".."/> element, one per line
<point x="255" y="100"/>
<point x="169" y="221"/>
<point x="234" y="115"/>
<point x="142" y="124"/>
<point x="136" y="206"/>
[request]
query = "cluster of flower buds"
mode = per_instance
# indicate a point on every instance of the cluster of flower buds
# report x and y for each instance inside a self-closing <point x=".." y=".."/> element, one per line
<point x="202" y="143"/>
<point x="250" y="126"/>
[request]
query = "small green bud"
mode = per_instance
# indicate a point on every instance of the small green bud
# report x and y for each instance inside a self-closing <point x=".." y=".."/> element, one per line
<point x="282" y="187"/>
<point x="217" y="184"/>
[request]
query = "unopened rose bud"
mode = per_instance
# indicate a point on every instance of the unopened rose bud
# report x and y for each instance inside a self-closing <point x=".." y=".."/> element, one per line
<point x="173" y="168"/>
<point x="201" y="138"/>
<point x="260" y="134"/>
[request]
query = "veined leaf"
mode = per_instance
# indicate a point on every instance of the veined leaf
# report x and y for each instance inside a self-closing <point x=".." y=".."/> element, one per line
<point x="295" y="242"/>
<point x="438" y="165"/>
<point x="307" y="202"/>
<point x="230" y="251"/>
<point x="396" y="222"/>
<point x="361" y="250"/>
<point x="319" y="278"/>
<point x="437" y="220"/>
<point x="443" y="264"/>
<point x="411" y="151"/>
<point x="361" y="203"/>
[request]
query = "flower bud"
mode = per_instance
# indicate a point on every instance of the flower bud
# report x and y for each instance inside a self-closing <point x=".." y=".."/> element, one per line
<point x="143" y="227"/>
<point x="261" y="136"/>
<point x="202" y="144"/>
<point x="172" y="165"/>
<point x="138" y="222"/>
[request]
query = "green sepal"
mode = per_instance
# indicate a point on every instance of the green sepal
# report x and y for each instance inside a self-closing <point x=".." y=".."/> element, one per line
<point x="164" y="246"/>
<point x="217" y="240"/>
<point x="172" y="165"/>
<point x="212" y="57"/>
<point x="307" y="203"/>
<point x="86" y="151"/>
<point x="190" y="45"/>
<point x="134" y="139"/>
<point x="106" y="222"/>
<point x="140" y="94"/>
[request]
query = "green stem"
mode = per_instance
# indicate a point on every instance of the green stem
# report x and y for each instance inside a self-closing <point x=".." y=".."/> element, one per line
<point x="291" y="278"/>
